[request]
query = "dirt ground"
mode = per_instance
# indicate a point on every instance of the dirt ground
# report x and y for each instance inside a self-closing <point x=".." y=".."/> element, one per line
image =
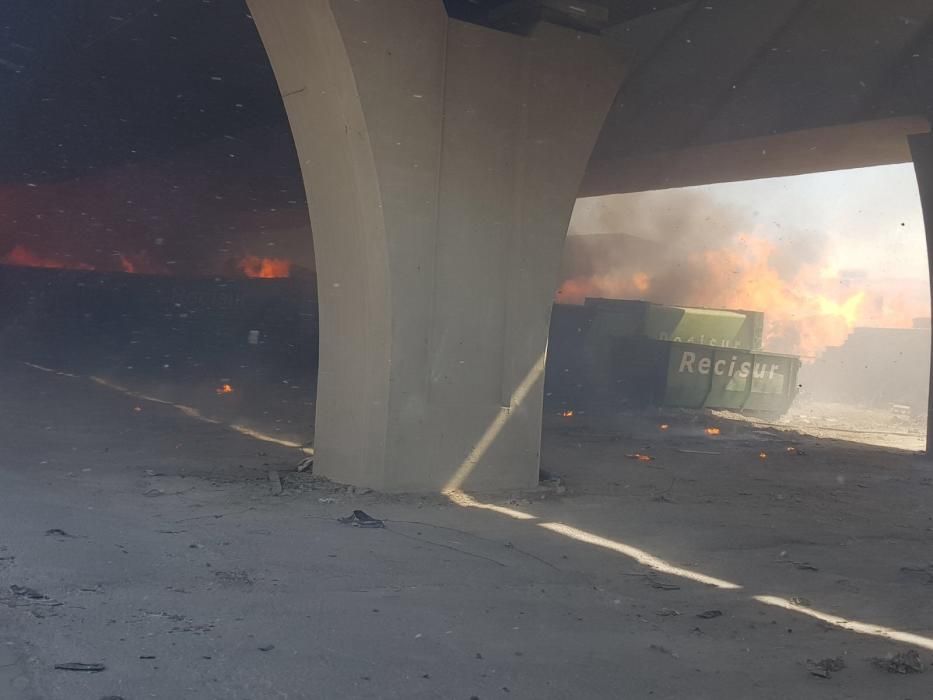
<point x="143" y="538"/>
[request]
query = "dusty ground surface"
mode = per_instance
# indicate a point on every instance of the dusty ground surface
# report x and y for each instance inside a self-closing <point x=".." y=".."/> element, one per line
<point x="152" y="545"/>
<point x="885" y="427"/>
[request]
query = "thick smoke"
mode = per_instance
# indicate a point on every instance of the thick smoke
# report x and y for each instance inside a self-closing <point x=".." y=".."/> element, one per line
<point x="687" y="248"/>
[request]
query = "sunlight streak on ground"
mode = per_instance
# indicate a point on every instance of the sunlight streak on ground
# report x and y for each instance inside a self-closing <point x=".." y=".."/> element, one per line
<point x="639" y="555"/>
<point x="465" y="501"/>
<point x="850" y="625"/>
<point x="189" y="411"/>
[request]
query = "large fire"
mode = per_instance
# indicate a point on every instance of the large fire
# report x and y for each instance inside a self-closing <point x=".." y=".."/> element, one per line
<point x="267" y="268"/>
<point x="804" y="314"/>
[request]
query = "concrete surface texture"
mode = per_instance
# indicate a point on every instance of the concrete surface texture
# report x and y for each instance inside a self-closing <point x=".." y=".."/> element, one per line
<point x="441" y="161"/>
<point x="921" y="147"/>
<point x="136" y="537"/>
<point x="742" y="89"/>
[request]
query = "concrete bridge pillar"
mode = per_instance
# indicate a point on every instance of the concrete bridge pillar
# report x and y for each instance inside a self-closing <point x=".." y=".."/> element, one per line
<point x="441" y="162"/>
<point x="921" y="150"/>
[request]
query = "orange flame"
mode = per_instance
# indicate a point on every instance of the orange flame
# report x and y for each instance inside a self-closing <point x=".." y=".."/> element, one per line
<point x="664" y="426"/>
<point x="567" y="414"/>
<point x="224" y="389"/>
<point x="22" y="256"/>
<point x="713" y="431"/>
<point x="266" y="268"/>
<point x="762" y="455"/>
<point x="640" y="457"/>
<point x="805" y="312"/>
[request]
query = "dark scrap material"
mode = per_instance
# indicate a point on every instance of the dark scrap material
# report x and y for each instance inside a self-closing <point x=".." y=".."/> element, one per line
<point x="57" y="532"/>
<point x="903" y="662"/>
<point x="361" y="519"/>
<point x="27" y="592"/>
<point x="824" y="668"/>
<point x="76" y="666"/>
<point x="710" y="614"/>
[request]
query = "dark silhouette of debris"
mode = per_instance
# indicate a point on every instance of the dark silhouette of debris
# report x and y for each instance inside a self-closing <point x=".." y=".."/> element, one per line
<point x="824" y="668"/>
<point x="902" y="662"/>
<point x="361" y="519"/>
<point x="76" y="666"/>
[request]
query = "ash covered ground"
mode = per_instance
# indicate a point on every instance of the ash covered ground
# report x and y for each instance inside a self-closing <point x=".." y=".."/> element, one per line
<point x="150" y="542"/>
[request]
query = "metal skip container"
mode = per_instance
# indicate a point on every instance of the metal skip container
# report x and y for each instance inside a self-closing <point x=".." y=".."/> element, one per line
<point x="610" y="354"/>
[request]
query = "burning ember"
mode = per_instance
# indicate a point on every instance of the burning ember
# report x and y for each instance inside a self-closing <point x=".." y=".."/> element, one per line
<point x="224" y="389"/>
<point x="567" y="414"/>
<point x="664" y="426"/>
<point x="713" y="431"/>
<point x="266" y="268"/>
<point x="640" y="457"/>
<point x="762" y="455"/>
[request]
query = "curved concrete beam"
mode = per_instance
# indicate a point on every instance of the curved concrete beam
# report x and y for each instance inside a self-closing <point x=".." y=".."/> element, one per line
<point x="441" y="161"/>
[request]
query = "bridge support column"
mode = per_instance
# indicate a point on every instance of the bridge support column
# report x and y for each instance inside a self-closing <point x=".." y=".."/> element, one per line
<point x="441" y="162"/>
<point x="921" y="149"/>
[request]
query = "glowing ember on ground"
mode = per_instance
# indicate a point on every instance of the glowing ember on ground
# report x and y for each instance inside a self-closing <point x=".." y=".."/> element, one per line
<point x="664" y="426"/>
<point x="762" y="455"/>
<point x="266" y="268"/>
<point x="224" y="389"/>
<point x="713" y="431"/>
<point x="567" y="414"/>
<point x="640" y="457"/>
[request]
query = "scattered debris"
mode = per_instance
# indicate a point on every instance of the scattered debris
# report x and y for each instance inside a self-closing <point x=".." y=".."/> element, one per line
<point x="154" y="492"/>
<point x="57" y="532"/>
<point x="361" y="519"/>
<point x="327" y="499"/>
<point x="926" y="572"/>
<point x="640" y="457"/>
<point x="796" y="451"/>
<point x="26" y="592"/>
<point x="76" y="666"/>
<point x="306" y="463"/>
<point x="147" y="656"/>
<point x="555" y="483"/>
<point x="667" y="612"/>
<point x="802" y="602"/>
<point x="903" y="662"/>
<point x="234" y="576"/>
<point x="663" y="650"/>
<point x="275" y="483"/>
<point x="824" y="668"/>
<point x="804" y="566"/>
<point x="710" y="614"/>
<point x="697" y="452"/>
<point x="663" y="585"/>
<point x="267" y="647"/>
